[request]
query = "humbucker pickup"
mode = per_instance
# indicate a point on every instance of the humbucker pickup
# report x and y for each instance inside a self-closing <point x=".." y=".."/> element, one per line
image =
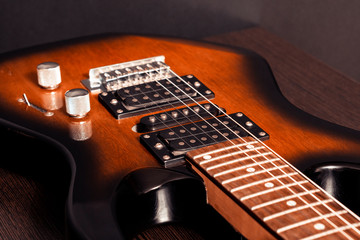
<point x="170" y="145"/>
<point x="153" y="96"/>
<point x="178" y="117"/>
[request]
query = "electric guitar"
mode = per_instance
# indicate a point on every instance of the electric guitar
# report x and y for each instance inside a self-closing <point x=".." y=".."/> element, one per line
<point x="148" y="121"/>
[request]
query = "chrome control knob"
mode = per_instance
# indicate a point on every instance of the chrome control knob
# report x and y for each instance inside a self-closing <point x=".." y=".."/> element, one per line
<point x="77" y="102"/>
<point x="49" y="76"/>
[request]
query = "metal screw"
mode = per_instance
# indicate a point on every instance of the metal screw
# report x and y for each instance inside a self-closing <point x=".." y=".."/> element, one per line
<point x="158" y="146"/>
<point x="119" y="111"/>
<point x="166" y="157"/>
<point x="208" y="92"/>
<point x="146" y="136"/>
<point x="49" y="114"/>
<point x="249" y="124"/>
<point x="190" y="76"/>
<point x="239" y="114"/>
<point x="114" y="101"/>
<point x="104" y="94"/>
<point x="163" y="116"/>
<point x="152" y="119"/>
<point x="174" y="114"/>
<point x="262" y="134"/>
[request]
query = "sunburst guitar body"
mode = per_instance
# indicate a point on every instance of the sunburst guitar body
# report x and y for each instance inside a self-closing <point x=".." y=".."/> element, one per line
<point x="163" y="138"/>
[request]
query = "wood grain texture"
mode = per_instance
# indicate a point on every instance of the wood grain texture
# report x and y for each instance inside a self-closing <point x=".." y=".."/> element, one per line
<point x="221" y="70"/>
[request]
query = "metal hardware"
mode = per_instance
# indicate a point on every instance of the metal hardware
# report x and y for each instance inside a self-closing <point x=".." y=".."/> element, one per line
<point x="179" y="140"/>
<point x="153" y="96"/>
<point x="117" y="76"/>
<point x="48" y="74"/>
<point x="77" y="102"/>
<point x="177" y="116"/>
<point x="26" y="101"/>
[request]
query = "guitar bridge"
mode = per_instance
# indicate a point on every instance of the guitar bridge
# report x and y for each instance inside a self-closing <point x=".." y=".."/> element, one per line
<point x="120" y="75"/>
<point x="143" y="86"/>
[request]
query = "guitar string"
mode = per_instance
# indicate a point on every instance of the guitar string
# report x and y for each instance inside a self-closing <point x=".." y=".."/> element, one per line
<point x="266" y="158"/>
<point x="171" y="104"/>
<point x="329" y="208"/>
<point x="175" y="107"/>
<point x="218" y="120"/>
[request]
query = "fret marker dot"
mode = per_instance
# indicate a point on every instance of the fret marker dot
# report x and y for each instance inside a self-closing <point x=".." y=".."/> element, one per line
<point x="250" y="170"/>
<point x="249" y="146"/>
<point x="269" y="185"/>
<point x="207" y="157"/>
<point x="319" y="226"/>
<point x="291" y="203"/>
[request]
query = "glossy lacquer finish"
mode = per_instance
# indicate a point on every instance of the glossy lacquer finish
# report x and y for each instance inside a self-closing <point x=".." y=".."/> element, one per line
<point x="102" y="150"/>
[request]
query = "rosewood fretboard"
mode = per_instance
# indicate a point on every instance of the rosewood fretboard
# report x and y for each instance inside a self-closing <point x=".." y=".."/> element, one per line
<point x="280" y="198"/>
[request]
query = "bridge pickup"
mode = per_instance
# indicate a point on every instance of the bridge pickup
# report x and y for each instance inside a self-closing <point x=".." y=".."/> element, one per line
<point x="169" y="146"/>
<point x="155" y="93"/>
<point x="177" y="117"/>
<point x="153" y="96"/>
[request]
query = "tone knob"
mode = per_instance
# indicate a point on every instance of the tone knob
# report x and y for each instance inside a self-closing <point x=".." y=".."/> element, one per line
<point x="49" y="76"/>
<point x="77" y="102"/>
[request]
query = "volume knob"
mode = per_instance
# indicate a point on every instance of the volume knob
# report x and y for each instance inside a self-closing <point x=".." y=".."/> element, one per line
<point x="77" y="102"/>
<point x="49" y="76"/>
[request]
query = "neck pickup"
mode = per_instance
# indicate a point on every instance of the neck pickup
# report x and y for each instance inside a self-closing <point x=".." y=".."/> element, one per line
<point x="170" y="145"/>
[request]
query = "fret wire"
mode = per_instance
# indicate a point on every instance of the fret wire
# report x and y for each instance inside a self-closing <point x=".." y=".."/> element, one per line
<point x="273" y="189"/>
<point x="258" y="141"/>
<point x="326" y="233"/>
<point x="229" y="154"/>
<point x="294" y="210"/>
<point x="262" y="181"/>
<point x="284" y="199"/>
<point x="225" y="149"/>
<point x="350" y="212"/>
<point x="244" y="166"/>
<point x="298" y="224"/>
<point x="252" y="174"/>
<point x="238" y="160"/>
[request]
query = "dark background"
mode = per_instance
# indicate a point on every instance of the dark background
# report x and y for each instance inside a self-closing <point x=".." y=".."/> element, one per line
<point x="327" y="29"/>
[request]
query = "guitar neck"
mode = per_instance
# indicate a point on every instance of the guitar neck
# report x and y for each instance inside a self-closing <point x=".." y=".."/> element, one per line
<point x="263" y="196"/>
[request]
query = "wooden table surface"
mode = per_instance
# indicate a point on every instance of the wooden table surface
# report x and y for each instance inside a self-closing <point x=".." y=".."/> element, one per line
<point x="32" y="206"/>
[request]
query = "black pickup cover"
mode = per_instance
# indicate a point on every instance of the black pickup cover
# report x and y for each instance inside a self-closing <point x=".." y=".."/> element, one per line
<point x="153" y="96"/>
<point x="170" y="145"/>
<point x="177" y="117"/>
